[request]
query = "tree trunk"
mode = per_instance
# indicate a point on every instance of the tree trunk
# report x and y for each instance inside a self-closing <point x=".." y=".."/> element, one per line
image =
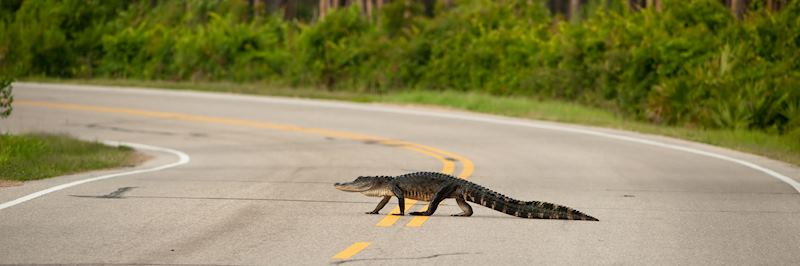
<point x="369" y="10"/>
<point x="251" y="9"/>
<point x="776" y="5"/>
<point x="559" y="7"/>
<point x="323" y="8"/>
<point x="636" y="5"/>
<point x="429" y="6"/>
<point x="574" y="9"/>
<point x="271" y="6"/>
<point x="407" y="12"/>
<point x="289" y="9"/>
<point x="738" y="7"/>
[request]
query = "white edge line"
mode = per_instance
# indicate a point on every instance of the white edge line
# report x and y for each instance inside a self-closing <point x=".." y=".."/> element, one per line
<point x="362" y="107"/>
<point x="183" y="158"/>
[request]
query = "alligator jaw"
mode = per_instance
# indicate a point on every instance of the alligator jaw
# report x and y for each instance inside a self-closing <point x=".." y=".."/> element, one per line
<point x="351" y="186"/>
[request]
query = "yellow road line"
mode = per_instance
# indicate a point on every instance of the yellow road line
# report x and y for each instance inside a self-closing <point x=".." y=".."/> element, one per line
<point x="467" y="168"/>
<point x="351" y="251"/>
<point x="390" y="219"/>
<point x="418" y="221"/>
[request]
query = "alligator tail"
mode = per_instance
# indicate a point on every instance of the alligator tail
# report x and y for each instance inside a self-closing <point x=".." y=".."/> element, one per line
<point x="523" y="209"/>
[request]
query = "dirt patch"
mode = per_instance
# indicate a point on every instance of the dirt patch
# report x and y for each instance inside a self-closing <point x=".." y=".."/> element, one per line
<point x="10" y="183"/>
<point x="137" y="158"/>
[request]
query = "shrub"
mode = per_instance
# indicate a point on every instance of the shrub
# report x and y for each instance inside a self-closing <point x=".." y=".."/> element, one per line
<point x="692" y="64"/>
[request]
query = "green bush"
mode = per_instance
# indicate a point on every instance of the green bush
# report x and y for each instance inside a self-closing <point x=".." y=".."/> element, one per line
<point x="6" y="97"/>
<point x="692" y="64"/>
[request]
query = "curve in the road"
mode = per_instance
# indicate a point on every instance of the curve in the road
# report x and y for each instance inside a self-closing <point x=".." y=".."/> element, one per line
<point x="630" y="237"/>
<point x="483" y="119"/>
<point x="446" y="158"/>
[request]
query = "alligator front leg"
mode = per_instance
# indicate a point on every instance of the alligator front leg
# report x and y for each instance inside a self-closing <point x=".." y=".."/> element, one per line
<point x="400" y="199"/>
<point x="380" y="205"/>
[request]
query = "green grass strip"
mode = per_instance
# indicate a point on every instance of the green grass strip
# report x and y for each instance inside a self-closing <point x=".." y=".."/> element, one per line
<point x="37" y="156"/>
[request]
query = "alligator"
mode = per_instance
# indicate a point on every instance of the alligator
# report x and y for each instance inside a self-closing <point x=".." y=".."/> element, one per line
<point x="434" y="187"/>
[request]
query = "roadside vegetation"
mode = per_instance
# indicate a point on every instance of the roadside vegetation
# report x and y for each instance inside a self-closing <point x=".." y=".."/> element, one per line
<point x="35" y="156"/>
<point x="690" y="69"/>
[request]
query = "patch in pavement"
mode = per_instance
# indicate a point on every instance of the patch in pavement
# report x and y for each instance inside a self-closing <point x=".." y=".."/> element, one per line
<point x="113" y="195"/>
<point x="128" y="130"/>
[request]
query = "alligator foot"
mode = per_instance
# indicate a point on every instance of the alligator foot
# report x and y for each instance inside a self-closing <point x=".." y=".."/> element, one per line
<point x="371" y="212"/>
<point x="462" y="214"/>
<point x="397" y="214"/>
<point x="418" y="213"/>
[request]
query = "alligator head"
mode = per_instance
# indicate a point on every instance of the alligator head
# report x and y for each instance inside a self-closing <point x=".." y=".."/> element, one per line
<point x="362" y="183"/>
<point x="365" y="184"/>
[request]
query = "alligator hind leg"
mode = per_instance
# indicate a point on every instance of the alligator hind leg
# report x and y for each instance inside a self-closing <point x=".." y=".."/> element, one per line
<point x="467" y="210"/>
<point x="437" y="198"/>
<point x="380" y="205"/>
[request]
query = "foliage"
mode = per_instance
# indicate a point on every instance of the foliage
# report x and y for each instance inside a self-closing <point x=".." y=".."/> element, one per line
<point x="691" y="65"/>
<point x="6" y="98"/>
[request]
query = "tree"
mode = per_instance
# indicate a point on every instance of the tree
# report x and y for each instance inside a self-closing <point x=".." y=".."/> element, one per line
<point x="323" y="8"/>
<point x="776" y="5"/>
<point x="636" y="5"/>
<point x="429" y="5"/>
<point x="289" y="9"/>
<point x="558" y="7"/>
<point x="271" y="6"/>
<point x="574" y="9"/>
<point x="251" y="9"/>
<point x="738" y="7"/>
<point x="5" y="97"/>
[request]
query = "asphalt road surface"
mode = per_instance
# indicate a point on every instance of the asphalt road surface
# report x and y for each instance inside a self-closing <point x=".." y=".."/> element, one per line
<point x="257" y="188"/>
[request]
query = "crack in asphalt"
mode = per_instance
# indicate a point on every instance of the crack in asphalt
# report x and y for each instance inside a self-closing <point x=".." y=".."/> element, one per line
<point x="406" y="258"/>
<point x="128" y="130"/>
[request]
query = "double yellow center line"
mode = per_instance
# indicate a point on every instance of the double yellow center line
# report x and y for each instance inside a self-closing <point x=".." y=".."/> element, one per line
<point x="448" y="159"/>
<point x="448" y="167"/>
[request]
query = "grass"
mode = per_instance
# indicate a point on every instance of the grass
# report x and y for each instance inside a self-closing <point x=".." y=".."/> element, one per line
<point x="37" y="156"/>
<point x="781" y="147"/>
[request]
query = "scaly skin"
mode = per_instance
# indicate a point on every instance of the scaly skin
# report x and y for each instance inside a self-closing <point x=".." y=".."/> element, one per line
<point x="435" y="187"/>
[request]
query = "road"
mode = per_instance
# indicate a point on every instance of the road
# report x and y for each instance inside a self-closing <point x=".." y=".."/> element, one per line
<point x="258" y="189"/>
